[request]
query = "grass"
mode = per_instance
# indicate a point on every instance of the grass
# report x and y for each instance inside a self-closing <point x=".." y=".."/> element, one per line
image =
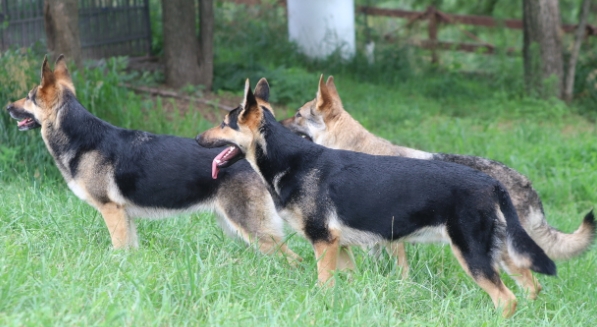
<point x="57" y="268"/>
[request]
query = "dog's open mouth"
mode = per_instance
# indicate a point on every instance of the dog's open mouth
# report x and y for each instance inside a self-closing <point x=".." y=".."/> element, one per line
<point x="27" y="123"/>
<point x="25" y="120"/>
<point x="226" y="158"/>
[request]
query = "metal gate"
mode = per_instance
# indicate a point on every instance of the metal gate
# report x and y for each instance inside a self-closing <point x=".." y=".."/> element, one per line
<point x="106" y="27"/>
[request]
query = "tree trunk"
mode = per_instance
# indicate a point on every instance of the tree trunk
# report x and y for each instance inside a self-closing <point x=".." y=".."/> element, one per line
<point x="578" y="38"/>
<point x="206" y="43"/>
<point x="180" y="43"/>
<point x="542" y="48"/>
<point x="61" y="21"/>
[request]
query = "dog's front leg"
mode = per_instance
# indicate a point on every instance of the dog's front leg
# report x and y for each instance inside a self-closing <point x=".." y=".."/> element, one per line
<point x="398" y="251"/>
<point x="122" y="229"/>
<point x="326" y="253"/>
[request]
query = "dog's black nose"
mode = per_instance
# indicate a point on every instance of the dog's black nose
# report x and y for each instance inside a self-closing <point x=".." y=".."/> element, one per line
<point x="9" y="106"/>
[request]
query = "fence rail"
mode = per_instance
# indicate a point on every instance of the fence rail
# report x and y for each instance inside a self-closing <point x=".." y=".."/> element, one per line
<point x="462" y="19"/>
<point x="106" y="27"/>
<point x="435" y="17"/>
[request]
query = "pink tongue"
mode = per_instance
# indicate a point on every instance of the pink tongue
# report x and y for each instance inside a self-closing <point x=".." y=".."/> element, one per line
<point x="214" y="170"/>
<point x="214" y="164"/>
<point x="22" y="122"/>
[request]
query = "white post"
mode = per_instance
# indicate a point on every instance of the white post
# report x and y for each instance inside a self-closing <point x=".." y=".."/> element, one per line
<point x="320" y="27"/>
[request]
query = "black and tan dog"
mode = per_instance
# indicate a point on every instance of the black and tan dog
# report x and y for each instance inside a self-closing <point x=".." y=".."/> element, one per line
<point x="127" y="173"/>
<point x="336" y="198"/>
<point x="324" y="121"/>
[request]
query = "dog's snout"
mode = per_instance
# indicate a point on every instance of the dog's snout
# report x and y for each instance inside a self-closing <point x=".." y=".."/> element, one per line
<point x="199" y="138"/>
<point x="287" y="122"/>
<point x="9" y="106"/>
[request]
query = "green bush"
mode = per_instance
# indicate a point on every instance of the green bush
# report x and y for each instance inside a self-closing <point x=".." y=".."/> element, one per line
<point x="289" y="83"/>
<point x="21" y="154"/>
<point x="585" y="83"/>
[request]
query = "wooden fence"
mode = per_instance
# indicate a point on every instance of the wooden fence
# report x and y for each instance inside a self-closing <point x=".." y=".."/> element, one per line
<point x="106" y="27"/>
<point x="435" y="17"/>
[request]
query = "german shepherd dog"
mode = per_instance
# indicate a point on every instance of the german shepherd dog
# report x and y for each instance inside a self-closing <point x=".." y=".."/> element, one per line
<point x="324" y="121"/>
<point x="340" y="198"/>
<point x="126" y="174"/>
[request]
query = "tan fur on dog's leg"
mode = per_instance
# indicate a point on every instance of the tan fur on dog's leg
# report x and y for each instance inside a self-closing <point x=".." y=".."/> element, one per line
<point x="122" y="232"/>
<point x="326" y="254"/>
<point x="398" y="251"/>
<point x="523" y="277"/>
<point x="346" y="259"/>
<point x="275" y="245"/>
<point x="293" y="258"/>
<point x="133" y="240"/>
<point x="501" y="296"/>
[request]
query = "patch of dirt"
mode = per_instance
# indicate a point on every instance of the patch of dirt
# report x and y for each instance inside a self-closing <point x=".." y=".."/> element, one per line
<point x="575" y="129"/>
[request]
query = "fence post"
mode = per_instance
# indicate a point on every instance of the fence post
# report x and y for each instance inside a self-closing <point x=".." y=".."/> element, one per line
<point x="432" y="31"/>
<point x="148" y="27"/>
<point x="3" y="17"/>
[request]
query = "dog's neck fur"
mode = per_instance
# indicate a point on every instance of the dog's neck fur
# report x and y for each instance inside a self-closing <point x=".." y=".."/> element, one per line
<point x="71" y="131"/>
<point x="348" y="134"/>
<point x="278" y="152"/>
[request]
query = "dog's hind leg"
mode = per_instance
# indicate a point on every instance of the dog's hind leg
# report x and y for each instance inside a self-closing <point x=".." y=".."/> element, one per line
<point x="326" y="254"/>
<point x="275" y="244"/>
<point x="346" y="259"/>
<point x="398" y="251"/>
<point x="122" y="229"/>
<point x="523" y="276"/>
<point x="480" y="268"/>
<point x="250" y="213"/>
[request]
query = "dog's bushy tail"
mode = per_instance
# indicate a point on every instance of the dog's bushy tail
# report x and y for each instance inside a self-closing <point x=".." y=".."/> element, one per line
<point x="523" y="250"/>
<point x="557" y="244"/>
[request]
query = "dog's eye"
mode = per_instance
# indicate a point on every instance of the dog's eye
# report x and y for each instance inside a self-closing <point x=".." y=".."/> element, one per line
<point x="298" y="115"/>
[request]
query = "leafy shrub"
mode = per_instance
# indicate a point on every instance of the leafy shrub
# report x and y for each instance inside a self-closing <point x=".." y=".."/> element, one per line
<point x="20" y="153"/>
<point x="585" y="83"/>
<point x="288" y="83"/>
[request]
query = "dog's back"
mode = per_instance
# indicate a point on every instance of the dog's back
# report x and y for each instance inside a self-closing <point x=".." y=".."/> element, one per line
<point x="380" y="191"/>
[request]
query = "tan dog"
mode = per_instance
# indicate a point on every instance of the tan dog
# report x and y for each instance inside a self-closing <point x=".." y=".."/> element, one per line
<point x="332" y="126"/>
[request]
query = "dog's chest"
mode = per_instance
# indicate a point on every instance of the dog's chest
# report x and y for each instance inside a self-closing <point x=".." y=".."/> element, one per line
<point x="78" y="189"/>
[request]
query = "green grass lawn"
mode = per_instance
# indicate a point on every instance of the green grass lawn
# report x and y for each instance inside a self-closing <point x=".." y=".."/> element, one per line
<point x="57" y="268"/>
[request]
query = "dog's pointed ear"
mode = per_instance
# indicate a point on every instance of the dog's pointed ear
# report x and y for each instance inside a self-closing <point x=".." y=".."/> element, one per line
<point x="249" y="98"/>
<point x="324" y="98"/>
<point x="331" y="86"/>
<point x="60" y="69"/>
<point x="262" y="90"/>
<point x="249" y="103"/>
<point x="47" y="76"/>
